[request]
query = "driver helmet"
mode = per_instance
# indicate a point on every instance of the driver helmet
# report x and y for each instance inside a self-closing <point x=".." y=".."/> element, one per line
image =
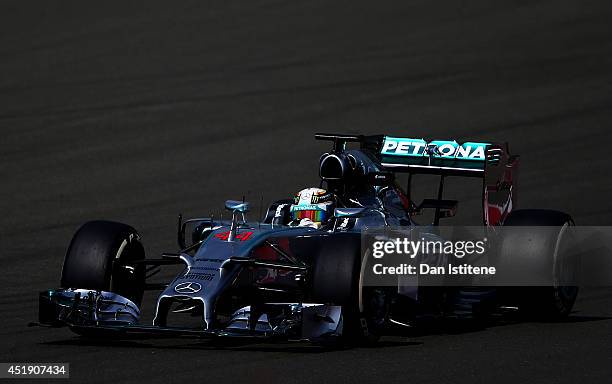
<point x="312" y="207"/>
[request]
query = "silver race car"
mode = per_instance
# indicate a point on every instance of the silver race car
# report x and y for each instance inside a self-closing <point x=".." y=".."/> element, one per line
<point x="298" y="274"/>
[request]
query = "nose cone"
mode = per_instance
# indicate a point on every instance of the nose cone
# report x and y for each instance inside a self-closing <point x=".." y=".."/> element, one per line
<point x="204" y="282"/>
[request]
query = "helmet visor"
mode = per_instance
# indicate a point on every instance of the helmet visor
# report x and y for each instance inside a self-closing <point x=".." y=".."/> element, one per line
<point x="315" y="215"/>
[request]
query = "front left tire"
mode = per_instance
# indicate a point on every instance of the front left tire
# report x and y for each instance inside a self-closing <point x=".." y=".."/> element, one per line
<point x="337" y="279"/>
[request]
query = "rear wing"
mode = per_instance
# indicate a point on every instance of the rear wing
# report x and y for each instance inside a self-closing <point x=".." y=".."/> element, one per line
<point x="490" y="161"/>
<point x="438" y="156"/>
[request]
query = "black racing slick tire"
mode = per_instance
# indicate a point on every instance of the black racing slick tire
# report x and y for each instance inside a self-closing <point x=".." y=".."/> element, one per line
<point x="546" y="251"/>
<point x="337" y="280"/>
<point x="101" y="256"/>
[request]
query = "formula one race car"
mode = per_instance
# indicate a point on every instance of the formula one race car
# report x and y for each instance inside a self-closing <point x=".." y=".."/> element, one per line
<point x="298" y="273"/>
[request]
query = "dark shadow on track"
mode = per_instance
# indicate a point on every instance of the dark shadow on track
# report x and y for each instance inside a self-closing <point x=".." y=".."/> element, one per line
<point x="398" y="339"/>
<point x="296" y="347"/>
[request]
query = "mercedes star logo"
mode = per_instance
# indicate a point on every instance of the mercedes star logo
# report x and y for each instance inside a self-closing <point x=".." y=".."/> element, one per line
<point x="188" y="287"/>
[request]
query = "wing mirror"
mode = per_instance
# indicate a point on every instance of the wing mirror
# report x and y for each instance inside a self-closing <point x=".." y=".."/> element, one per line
<point x="237" y="206"/>
<point x="349" y="212"/>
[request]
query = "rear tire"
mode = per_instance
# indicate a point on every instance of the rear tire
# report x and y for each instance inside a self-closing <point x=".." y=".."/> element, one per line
<point x="542" y="302"/>
<point x="101" y="256"/>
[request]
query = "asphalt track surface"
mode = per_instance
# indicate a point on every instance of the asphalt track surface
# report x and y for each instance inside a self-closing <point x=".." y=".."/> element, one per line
<point x="135" y="112"/>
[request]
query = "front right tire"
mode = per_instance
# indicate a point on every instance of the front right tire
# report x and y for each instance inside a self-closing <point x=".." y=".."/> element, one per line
<point x="101" y="256"/>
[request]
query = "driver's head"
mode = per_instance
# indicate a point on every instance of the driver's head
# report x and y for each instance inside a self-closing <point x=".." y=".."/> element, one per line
<point x="313" y="205"/>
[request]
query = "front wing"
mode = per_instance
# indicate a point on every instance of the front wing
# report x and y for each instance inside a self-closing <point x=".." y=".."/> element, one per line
<point x="102" y="313"/>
